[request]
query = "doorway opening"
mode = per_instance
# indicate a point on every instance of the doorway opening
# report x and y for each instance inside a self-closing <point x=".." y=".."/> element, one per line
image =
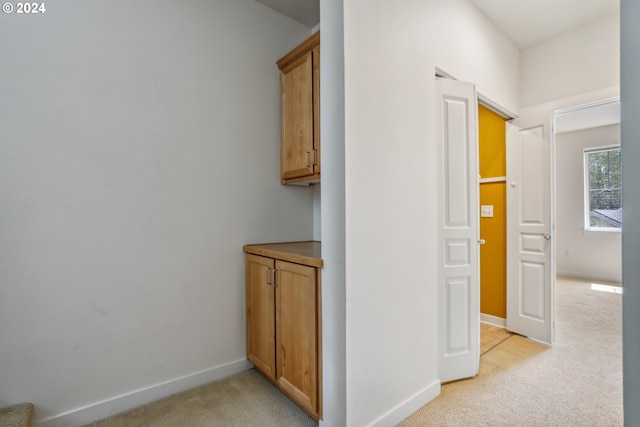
<point x="583" y="251"/>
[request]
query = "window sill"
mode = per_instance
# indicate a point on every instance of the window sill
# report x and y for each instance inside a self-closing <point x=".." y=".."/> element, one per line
<point x="606" y="233"/>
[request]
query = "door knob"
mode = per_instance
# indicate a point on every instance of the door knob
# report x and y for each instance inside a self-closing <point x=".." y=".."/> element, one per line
<point x="547" y="236"/>
<point x="481" y="241"/>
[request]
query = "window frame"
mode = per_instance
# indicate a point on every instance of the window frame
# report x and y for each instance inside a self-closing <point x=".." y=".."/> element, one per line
<point x="587" y="185"/>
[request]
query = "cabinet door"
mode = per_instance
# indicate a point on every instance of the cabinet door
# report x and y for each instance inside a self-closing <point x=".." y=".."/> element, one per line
<point x="297" y="155"/>
<point x="297" y="332"/>
<point x="261" y="314"/>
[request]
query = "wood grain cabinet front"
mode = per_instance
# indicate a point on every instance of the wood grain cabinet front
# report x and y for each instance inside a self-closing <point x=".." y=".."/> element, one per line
<point x="261" y="314"/>
<point x="283" y="327"/>
<point x="300" y="113"/>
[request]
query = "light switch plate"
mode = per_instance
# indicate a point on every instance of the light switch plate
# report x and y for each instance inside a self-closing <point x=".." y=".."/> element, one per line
<point x="486" y="211"/>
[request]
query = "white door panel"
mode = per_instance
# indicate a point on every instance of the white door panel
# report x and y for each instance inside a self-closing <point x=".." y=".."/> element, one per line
<point x="529" y="262"/>
<point x="458" y="290"/>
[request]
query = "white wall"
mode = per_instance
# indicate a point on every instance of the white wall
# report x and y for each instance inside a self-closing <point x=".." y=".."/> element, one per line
<point x="582" y="60"/>
<point x="391" y="52"/>
<point x="138" y="153"/>
<point x="591" y="255"/>
<point x="333" y="214"/>
<point x="317" y="211"/>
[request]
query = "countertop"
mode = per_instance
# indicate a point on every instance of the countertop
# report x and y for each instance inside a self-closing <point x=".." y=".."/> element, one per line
<point x="307" y="253"/>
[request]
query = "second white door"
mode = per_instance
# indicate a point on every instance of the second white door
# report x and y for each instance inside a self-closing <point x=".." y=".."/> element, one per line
<point x="530" y="269"/>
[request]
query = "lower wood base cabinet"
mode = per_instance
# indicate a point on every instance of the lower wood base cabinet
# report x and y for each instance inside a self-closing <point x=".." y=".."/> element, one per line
<point x="283" y="319"/>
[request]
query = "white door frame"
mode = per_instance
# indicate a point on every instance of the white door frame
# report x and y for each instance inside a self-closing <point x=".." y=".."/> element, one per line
<point x="603" y="112"/>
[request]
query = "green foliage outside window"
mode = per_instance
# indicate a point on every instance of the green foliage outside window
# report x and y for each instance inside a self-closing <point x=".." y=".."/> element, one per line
<point x="604" y="186"/>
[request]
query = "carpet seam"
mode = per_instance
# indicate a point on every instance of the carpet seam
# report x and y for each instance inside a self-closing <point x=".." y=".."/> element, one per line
<point x="497" y="344"/>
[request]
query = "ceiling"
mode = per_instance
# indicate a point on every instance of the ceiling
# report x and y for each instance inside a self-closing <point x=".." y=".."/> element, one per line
<point x="525" y="22"/>
<point x="306" y="12"/>
<point x="528" y="22"/>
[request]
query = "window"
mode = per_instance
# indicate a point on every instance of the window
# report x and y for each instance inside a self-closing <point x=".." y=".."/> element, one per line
<point x="603" y="208"/>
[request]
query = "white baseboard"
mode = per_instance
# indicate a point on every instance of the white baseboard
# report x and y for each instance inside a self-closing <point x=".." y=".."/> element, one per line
<point x="133" y="399"/>
<point x="493" y="320"/>
<point x="588" y="277"/>
<point x="409" y="406"/>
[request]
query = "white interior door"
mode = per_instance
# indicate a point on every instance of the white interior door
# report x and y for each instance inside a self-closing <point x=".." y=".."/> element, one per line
<point x="458" y="288"/>
<point x="529" y="247"/>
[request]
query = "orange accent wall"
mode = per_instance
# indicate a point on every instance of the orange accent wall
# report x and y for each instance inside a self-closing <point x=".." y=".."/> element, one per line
<point x="493" y="254"/>
<point x="493" y="143"/>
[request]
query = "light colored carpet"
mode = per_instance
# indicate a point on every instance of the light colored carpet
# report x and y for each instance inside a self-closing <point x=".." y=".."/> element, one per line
<point x="244" y="400"/>
<point x="577" y="382"/>
<point x="491" y="336"/>
<point x="16" y="415"/>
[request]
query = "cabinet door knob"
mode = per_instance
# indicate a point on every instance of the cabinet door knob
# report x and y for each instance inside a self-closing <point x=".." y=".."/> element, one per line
<point x="275" y="285"/>
<point x="268" y="275"/>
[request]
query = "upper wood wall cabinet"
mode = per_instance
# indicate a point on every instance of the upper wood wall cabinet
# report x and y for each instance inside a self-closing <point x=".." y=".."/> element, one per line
<point x="300" y="113"/>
